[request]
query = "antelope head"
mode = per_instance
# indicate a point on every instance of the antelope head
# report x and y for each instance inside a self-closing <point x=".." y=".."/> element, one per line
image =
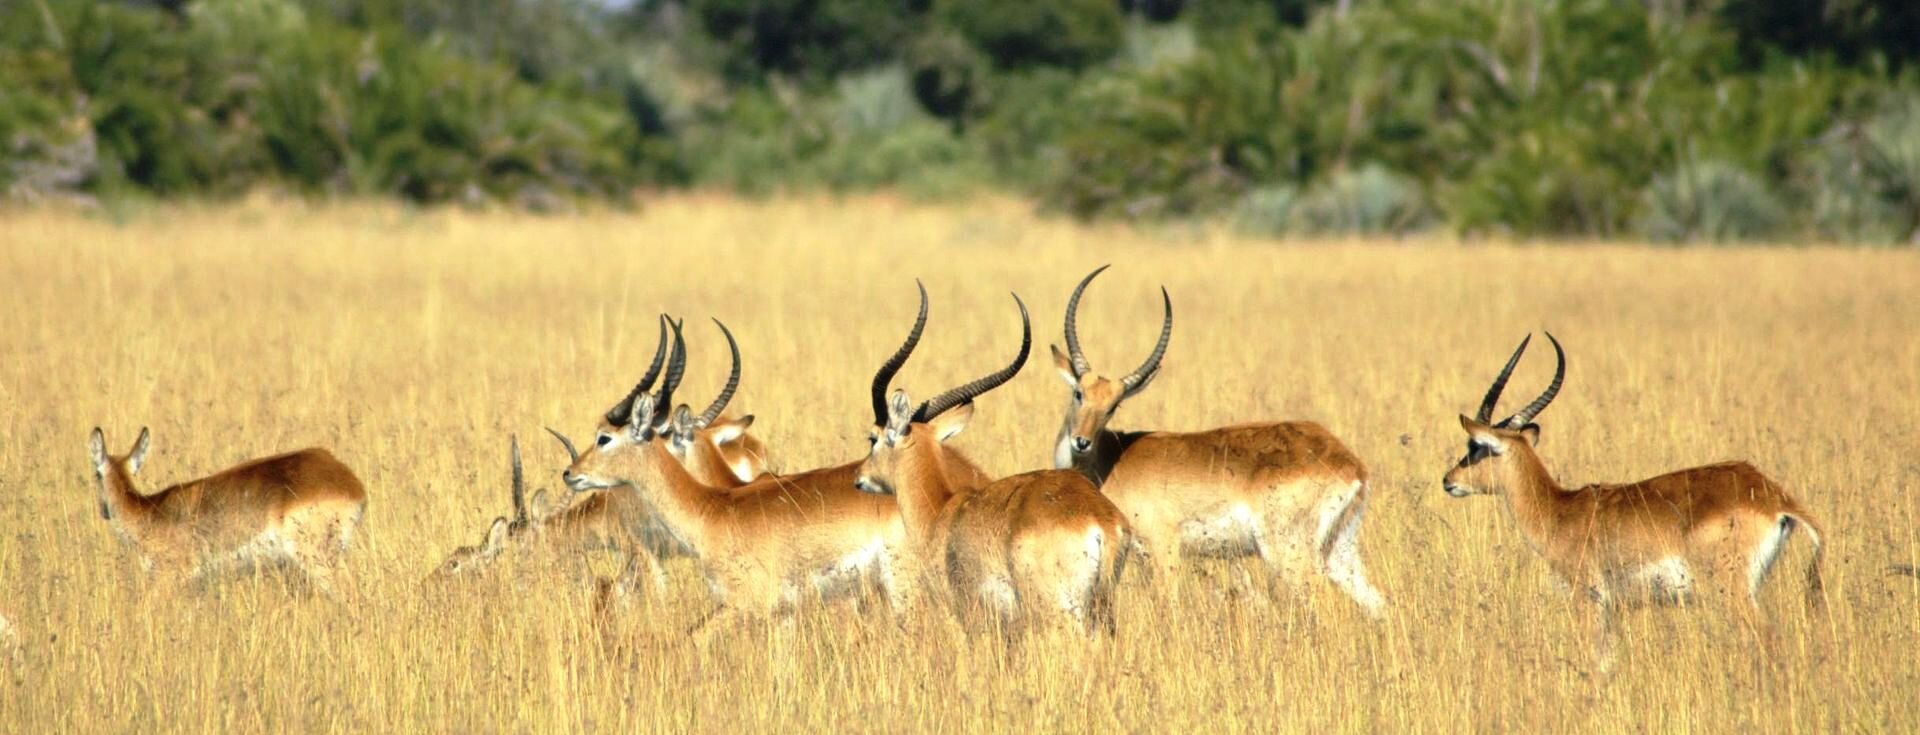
<point x="113" y="476"/>
<point x="684" y="427"/>
<point x="470" y="559"/>
<point x="1096" y="397"/>
<point x="632" y="422"/>
<point x="1498" y="452"/>
<point x="905" y="434"/>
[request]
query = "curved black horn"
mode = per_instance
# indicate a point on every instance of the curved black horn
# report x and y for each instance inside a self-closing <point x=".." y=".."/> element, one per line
<point x="519" y="482"/>
<point x="965" y="393"/>
<point x="887" y="369"/>
<point x="1485" y="414"/>
<point x="733" y="381"/>
<point x="573" y="455"/>
<point x="618" y="414"/>
<point x="1139" y="377"/>
<point x="1526" y="415"/>
<point x="676" y="369"/>
<point x="1079" y="359"/>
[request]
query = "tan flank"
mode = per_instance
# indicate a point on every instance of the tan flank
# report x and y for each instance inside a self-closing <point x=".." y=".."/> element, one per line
<point x="767" y="547"/>
<point x="1288" y="493"/>
<point x="716" y="452"/>
<point x="300" y="508"/>
<point x="1655" y="540"/>
<point x="1016" y="549"/>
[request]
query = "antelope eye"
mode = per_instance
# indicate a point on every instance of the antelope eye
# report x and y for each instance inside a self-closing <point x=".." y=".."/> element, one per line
<point x="1076" y="395"/>
<point x="604" y="440"/>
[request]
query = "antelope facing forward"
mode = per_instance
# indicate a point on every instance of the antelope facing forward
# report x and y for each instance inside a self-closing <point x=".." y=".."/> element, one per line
<point x="768" y="546"/>
<point x="717" y="452"/>
<point x="1290" y="493"/>
<point x="1648" y="539"/>
<point x="300" y="508"/>
<point x="1044" y="540"/>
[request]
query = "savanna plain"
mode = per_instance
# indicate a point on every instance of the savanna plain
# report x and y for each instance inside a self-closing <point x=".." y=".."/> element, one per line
<point x="413" y="344"/>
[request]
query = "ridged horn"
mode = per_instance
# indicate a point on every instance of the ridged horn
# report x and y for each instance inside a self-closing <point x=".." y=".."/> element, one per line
<point x="884" y="376"/>
<point x="1487" y="404"/>
<point x="1078" y="358"/>
<point x="1527" y="414"/>
<point x="519" y="482"/>
<point x="1139" y="377"/>
<point x="733" y="381"/>
<point x="965" y="393"/>
<point x="573" y="455"/>
<point x="617" y="415"/>
<point x="676" y="369"/>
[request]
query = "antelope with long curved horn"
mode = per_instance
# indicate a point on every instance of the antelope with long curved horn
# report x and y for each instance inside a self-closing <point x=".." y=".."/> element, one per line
<point x="1625" y="544"/>
<point x="1013" y="549"/>
<point x="710" y="445"/>
<point x="1289" y="493"/>
<point x="618" y="521"/>
<point x="772" y="545"/>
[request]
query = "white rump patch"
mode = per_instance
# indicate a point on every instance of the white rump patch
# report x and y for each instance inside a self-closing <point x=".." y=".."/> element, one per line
<point x="1763" y="555"/>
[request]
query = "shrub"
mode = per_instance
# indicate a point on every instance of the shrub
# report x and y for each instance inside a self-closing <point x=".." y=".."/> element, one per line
<point x="1369" y="201"/>
<point x="1266" y="211"/>
<point x="1712" y="201"/>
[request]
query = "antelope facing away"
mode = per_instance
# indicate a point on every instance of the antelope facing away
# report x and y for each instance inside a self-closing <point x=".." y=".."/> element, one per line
<point x="300" y="508"/>
<point x="1290" y="493"/>
<point x="771" y="545"/>
<point x="1036" y="542"/>
<point x="615" y="521"/>
<point x="1633" y="542"/>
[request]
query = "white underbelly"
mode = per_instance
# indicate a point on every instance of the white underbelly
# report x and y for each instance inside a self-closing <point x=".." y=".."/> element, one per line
<point x="1229" y="532"/>
<point x="1669" y="580"/>
<point x="846" y="575"/>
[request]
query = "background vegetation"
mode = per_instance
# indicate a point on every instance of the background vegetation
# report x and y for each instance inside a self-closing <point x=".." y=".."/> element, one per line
<point x="1671" y="120"/>
<point x="412" y="343"/>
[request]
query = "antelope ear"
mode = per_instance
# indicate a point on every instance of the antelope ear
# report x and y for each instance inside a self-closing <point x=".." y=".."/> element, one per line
<point x="951" y="422"/>
<point x="728" y="432"/>
<point x="97" y="449"/>
<point x="496" y="536"/>
<point x="1531" y="433"/>
<point x="899" y="412"/>
<point x="640" y="422"/>
<point x="1064" y="364"/>
<point x="138" y="456"/>
<point x="537" y="506"/>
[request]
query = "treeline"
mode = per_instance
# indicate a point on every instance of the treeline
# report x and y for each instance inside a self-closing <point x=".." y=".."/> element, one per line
<point x="1676" y="120"/>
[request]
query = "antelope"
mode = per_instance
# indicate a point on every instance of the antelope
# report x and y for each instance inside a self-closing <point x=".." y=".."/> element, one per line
<point x="1289" y="493"/>
<point x="1623" y="544"/>
<point x="1043" y="539"/>
<point x="766" y="547"/>
<point x="717" y="451"/>
<point x="300" y="508"/>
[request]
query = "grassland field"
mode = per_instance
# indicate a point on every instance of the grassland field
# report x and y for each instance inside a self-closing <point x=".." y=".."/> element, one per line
<point x="413" y="343"/>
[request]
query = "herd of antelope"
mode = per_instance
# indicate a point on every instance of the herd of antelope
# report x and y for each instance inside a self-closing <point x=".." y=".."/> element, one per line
<point x="914" y="519"/>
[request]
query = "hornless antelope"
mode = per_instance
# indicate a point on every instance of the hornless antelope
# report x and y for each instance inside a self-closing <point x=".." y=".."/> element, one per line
<point x="1043" y="539"/>
<point x="1290" y="493"/>
<point x="716" y="453"/>
<point x="300" y="508"/>
<point x="766" y="547"/>
<point x="1646" y="539"/>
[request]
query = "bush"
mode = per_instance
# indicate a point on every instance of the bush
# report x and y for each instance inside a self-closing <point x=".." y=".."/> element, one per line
<point x="1712" y="201"/>
<point x="1369" y="201"/>
<point x="1266" y="211"/>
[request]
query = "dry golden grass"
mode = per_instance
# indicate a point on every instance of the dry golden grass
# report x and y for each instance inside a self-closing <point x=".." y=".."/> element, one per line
<point x="412" y="344"/>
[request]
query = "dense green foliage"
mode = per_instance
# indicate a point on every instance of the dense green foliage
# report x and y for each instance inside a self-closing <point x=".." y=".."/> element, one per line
<point x="1677" y="120"/>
